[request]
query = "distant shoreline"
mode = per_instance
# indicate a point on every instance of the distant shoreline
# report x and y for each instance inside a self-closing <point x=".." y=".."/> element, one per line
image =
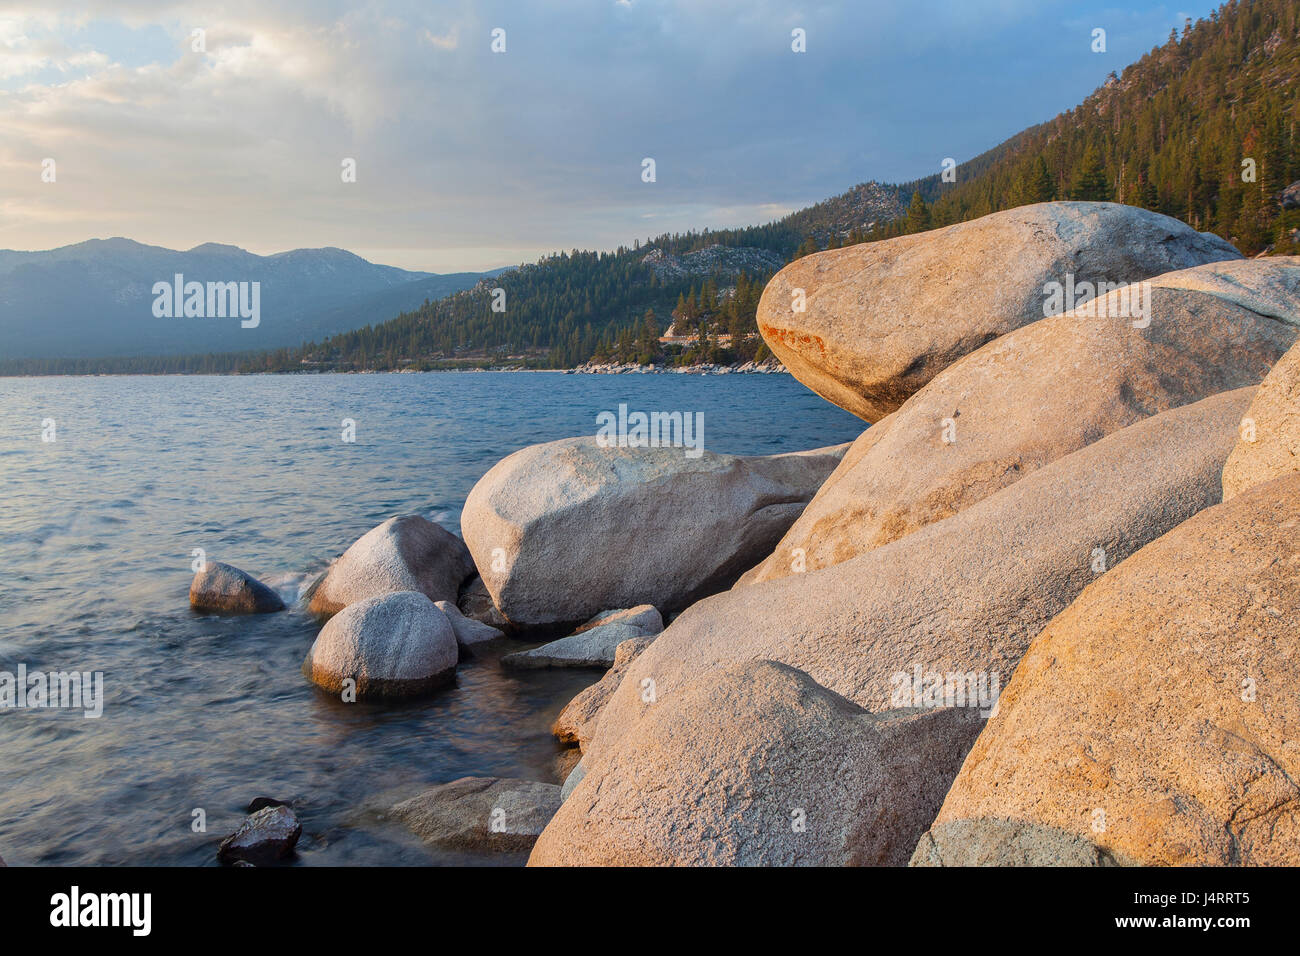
<point x="746" y="368"/>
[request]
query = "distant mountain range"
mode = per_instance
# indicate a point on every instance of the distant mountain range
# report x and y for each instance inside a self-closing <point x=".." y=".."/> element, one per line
<point x="95" y="298"/>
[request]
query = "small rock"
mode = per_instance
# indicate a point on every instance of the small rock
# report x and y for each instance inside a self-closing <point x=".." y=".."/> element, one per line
<point x="644" y="616"/>
<point x="393" y="645"/>
<point x="594" y="648"/>
<point x="468" y="631"/>
<point x="265" y="837"/>
<point x="481" y="813"/>
<point x="224" y="589"/>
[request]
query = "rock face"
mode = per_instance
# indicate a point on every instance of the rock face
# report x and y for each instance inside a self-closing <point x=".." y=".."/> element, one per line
<point x="563" y="530"/>
<point x="1041" y="392"/>
<point x="1155" y="721"/>
<point x="265" y="837"/>
<point x="823" y="783"/>
<point x="883" y="318"/>
<point x="577" y="721"/>
<point x="394" y="645"/>
<point x="406" y="553"/>
<point x="224" y="589"/>
<point x="1270" y="432"/>
<point x="468" y="631"/>
<point x="595" y="643"/>
<point x="1290" y="198"/>
<point x="481" y="813"/>
<point x="962" y="596"/>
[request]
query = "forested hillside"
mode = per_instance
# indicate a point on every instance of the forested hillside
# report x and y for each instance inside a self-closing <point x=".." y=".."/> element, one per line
<point x="1202" y="128"/>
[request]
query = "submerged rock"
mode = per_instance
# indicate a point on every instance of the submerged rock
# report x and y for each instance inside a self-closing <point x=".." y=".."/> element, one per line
<point x="406" y="553"/>
<point x="481" y="813"/>
<point x="265" y="837"/>
<point x="1153" y="722"/>
<point x="881" y="319"/>
<point x="393" y="645"/>
<point x="224" y="589"/>
<point x="564" y="530"/>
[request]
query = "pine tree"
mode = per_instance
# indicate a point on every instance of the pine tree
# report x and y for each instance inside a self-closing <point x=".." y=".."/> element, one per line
<point x="1090" y="183"/>
<point x="918" y="214"/>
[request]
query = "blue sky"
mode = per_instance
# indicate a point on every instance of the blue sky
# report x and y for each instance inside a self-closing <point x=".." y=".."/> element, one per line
<point x="470" y="159"/>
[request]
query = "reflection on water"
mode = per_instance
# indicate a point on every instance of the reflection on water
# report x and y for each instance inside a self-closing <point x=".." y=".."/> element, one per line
<point x="96" y="534"/>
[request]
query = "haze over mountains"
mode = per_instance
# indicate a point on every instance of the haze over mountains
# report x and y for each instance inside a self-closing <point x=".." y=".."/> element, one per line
<point x="96" y="298"/>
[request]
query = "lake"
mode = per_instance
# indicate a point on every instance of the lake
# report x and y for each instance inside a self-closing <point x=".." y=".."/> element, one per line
<point x="204" y="713"/>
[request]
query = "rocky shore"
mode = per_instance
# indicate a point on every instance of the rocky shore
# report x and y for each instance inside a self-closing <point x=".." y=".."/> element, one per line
<point x="1041" y="611"/>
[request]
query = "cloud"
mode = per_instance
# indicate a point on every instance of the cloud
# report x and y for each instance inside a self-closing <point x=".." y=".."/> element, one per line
<point x="463" y="153"/>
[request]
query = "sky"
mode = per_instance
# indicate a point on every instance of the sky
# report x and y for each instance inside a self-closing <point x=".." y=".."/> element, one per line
<point x="467" y="158"/>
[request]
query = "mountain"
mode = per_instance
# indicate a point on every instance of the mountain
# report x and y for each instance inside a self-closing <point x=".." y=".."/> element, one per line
<point x="96" y="299"/>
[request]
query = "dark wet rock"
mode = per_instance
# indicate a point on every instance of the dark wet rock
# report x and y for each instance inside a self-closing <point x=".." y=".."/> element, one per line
<point x="224" y="589"/>
<point x="265" y="837"/>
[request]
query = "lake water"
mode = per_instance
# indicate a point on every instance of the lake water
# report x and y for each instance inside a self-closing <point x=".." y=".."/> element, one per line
<point x="204" y="713"/>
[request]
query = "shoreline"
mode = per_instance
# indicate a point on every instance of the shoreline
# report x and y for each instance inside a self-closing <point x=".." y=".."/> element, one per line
<point x="745" y="368"/>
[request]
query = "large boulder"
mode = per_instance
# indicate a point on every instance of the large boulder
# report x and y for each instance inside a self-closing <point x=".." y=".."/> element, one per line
<point x="822" y="781"/>
<point x="1270" y="432"/>
<point x="393" y="645"/>
<point x="883" y="318"/>
<point x="265" y="837"/>
<point x="406" y="553"/>
<point x="595" y="643"/>
<point x="1041" y="392"/>
<point x="563" y="530"/>
<point x="481" y="814"/>
<point x="577" y="721"/>
<point x="962" y="596"/>
<point x="1154" y="721"/>
<point x="224" y="589"/>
